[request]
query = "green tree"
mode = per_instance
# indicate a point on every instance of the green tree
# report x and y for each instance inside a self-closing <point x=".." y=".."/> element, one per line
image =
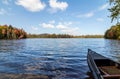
<point x="115" y="10"/>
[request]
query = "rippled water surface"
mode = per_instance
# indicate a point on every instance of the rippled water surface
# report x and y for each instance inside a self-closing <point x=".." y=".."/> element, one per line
<point x="51" y="58"/>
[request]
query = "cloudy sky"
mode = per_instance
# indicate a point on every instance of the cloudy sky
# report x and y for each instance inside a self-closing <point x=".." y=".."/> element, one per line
<point x="76" y="17"/>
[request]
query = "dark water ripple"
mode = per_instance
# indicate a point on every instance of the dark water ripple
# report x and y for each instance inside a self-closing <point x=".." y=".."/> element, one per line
<point x="51" y="58"/>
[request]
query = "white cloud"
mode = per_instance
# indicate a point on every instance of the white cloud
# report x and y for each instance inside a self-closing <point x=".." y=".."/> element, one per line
<point x="31" y="5"/>
<point x="55" y="5"/>
<point x="34" y="28"/>
<point x="64" y="27"/>
<point x="90" y="14"/>
<point x="104" y="6"/>
<point x="50" y="24"/>
<point x="100" y="19"/>
<point x="87" y="15"/>
<point x="2" y="11"/>
<point x="47" y="25"/>
<point x="61" y="26"/>
<point x="72" y="31"/>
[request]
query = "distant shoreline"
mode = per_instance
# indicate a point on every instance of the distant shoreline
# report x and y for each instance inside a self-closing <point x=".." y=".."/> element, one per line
<point x="62" y="36"/>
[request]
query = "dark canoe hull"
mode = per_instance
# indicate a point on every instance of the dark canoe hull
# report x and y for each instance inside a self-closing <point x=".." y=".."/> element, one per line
<point x="97" y="61"/>
<point x="92" y="65"/>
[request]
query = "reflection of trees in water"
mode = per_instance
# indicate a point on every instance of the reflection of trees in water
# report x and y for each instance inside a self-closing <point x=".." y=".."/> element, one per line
<point x="11" y="45"/>
<point x="113" y="49"/>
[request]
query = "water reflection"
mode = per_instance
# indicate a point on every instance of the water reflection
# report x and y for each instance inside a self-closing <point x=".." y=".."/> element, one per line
<point x="22" y="76"/>
<point x="113" y="49"/>
<point x="51" y="58"/>
<point x="11" y="45"/>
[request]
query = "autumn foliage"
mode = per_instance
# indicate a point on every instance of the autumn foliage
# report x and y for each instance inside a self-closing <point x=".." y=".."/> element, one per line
<point x="113" y="32"/>
<point x="10" y="32"/>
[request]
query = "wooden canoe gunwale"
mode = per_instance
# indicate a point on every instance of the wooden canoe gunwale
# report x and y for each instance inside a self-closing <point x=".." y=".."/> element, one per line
<point x="96" y="68"/>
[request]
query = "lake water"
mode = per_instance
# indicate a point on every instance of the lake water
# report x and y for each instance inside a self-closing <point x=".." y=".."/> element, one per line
<point x="51" y="58"/>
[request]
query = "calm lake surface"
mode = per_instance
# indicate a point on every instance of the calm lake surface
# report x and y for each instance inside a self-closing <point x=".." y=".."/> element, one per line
<point x="51" y="58"/>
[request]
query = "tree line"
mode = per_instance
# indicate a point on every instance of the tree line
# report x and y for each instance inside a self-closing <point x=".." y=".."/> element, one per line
<point x="10" y="32"/>
<point x="89" y="36"/>
<point x="49" y="36"/>
<point x="62" y="36"/>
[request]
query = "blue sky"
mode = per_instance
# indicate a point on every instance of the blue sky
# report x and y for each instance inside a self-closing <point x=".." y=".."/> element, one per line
<point x="76" y="17"/>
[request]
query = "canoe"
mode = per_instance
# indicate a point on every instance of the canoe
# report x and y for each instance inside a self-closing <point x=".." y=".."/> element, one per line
<point x="102" y="67"/>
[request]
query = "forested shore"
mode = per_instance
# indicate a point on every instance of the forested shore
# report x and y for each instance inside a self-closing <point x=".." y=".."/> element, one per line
<point x="62" y="36"/>
<point x="10" y="32"/>
<point x="113" y="32"/>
